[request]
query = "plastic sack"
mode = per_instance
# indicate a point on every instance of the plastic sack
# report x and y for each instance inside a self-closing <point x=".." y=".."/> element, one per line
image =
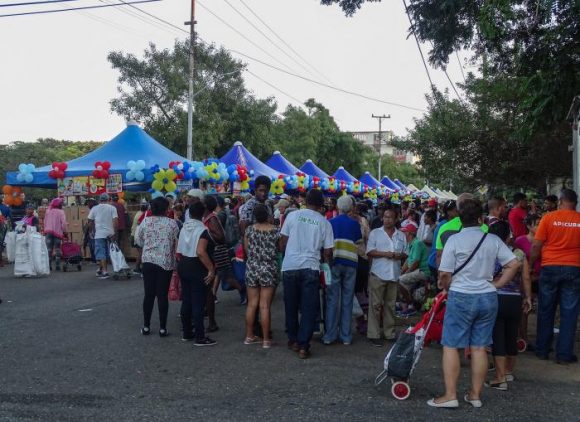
<point x="174" y="287"/>
<point x="117" y="258"/>
<point x="357" y="310"/>
<point x="23" y="266"/>
<point x="325" y="269"/>
<point x="10" y="241"/>
<point x="38" y="253"/>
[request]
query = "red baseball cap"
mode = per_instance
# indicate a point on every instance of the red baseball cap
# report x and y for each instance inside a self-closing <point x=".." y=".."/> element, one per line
<point x="432" y="202"/>
<point x="409" y="228"/>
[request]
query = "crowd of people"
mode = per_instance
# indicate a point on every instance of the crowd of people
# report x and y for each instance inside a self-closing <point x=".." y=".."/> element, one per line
<point x="497" y="261"/>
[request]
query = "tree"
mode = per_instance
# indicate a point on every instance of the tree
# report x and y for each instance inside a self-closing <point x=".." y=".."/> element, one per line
<point x="529" y="64"/>
<point x="154" y="91"/>
<point x="42" y="152"/>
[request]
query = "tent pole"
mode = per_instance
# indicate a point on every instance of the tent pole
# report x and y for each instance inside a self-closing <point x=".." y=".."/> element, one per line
<point x="190" y="105"/>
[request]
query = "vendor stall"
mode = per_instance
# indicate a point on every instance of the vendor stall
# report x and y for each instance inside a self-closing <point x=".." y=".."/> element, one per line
<point x="279" y="163"/>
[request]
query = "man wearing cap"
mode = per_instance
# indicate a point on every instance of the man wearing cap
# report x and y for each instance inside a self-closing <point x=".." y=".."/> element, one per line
<point x="193" y="196"/>
<point x="103" y="218"/>
<point x="415" y="271"/>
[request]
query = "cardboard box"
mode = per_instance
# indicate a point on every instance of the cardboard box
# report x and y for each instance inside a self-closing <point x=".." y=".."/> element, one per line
<point x="75" y="226"/>
<point x="71" y="213"/>
<point x="83" y="213"/>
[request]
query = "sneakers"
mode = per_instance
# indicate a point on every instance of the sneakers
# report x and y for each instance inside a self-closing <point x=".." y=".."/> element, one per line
<point x="376" y="342"/>
<point x="136" y="272"/>
<point x="163" y="333"/>
<point x="252" y="340"/>
<point x="103" y="276"/>
<point x="145" y="331"/>
<point x="510" y="377"/>
<point x="205" y="342"/>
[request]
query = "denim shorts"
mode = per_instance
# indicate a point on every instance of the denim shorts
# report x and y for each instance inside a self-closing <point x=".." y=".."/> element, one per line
<point x="469" y="319"/>
<point x="101" y="249"/>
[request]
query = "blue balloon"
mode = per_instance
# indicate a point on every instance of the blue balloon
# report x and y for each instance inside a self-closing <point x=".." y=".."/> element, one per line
<point x="140" y="176"/>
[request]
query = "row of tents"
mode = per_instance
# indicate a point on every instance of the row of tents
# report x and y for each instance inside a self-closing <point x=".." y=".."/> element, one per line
<point x="133" y="144"/>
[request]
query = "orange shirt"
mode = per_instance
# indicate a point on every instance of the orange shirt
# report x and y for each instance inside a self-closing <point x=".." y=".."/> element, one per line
<point x="560" y="232"/>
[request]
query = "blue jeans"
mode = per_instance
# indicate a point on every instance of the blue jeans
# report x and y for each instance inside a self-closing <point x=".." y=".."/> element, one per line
<point x="469" y="319"/>
<point x="558" y="284"/>
<point x="301" y="295"/>
<point x="339" y="298"/>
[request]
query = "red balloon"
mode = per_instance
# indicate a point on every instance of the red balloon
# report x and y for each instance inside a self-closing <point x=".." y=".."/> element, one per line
<point x="106" y="165"/>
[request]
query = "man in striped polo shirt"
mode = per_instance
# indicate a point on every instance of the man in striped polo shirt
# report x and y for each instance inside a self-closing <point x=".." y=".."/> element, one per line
<point x="340" y="292"/>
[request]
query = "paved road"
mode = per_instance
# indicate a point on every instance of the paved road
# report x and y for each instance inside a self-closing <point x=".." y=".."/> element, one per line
<point x="70" y="350"/>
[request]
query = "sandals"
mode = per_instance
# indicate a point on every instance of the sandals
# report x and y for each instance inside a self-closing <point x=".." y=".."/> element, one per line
<point x="252" y="340"/>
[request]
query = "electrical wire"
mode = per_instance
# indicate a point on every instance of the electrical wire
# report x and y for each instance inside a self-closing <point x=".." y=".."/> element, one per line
<point x="243" y="36"/>
<point x="275" y="87"/>
<point x="155" y="17"/>
<point x="460" y="66"/>
<point x="267" y="37"/>
<point x="70" y="9"/>
<point x="32" y="3"/>
<point x="128" y="12"/>
<point x="419" y="47"/>
<point x="283" y="41"/>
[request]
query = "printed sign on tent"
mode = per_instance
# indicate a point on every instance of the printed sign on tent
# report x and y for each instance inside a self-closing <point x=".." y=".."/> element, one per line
<point x="115" y="183"/>
<point x="71" y="186"/>
<point x="96" y="186"/>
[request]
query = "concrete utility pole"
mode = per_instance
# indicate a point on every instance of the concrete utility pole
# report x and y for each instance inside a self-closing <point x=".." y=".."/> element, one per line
<point x="380" y="138"/>
<point x="574" y="118"/>
<point x="190" y="105"/>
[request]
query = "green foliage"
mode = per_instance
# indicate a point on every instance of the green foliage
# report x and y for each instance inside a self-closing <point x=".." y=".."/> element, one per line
<point x="42" y="152"/>
<point x="154" y="91"/>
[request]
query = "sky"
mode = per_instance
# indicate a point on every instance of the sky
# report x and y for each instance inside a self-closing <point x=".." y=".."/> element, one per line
<point x="55" y="80"/>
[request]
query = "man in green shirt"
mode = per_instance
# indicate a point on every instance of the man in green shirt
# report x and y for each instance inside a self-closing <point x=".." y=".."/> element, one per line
<point x="416" y="271"/>
<point x="452" y="227"/>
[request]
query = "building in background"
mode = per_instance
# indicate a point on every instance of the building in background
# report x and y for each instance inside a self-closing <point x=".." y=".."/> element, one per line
<point x="371" y="139"/>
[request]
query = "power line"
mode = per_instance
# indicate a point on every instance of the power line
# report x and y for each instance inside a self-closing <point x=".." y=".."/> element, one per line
<point x="243" y="36"/>
<point x="273" y="86"/>
<point x="460" y="66"/>
<point x="419" y="47"/>
<point x="126" y="11"/>
<point x="76" y="8"/>
<point x="355" y="94"/>
<point x="31" y="3"/>
<point x="282" y="40"/>
<point x="267" y="37"/>
<point x="156" y="18"/>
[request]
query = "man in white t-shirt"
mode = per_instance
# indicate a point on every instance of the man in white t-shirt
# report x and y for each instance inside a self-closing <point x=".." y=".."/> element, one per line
<point x="304" y="234"/>
<point x="103" y="219"/>
<point x="386" y="246"/>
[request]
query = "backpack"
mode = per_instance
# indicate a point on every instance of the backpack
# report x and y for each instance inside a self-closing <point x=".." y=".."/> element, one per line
<point x="232" y="230"/>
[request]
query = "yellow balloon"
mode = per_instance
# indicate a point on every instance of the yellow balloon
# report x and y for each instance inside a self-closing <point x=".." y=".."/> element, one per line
<point x="171" y="186"/>
<point x="157" y="184"/>
<point x="170" y="174"/>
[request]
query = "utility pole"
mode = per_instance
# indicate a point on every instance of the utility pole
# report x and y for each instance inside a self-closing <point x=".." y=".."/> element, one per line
<point x="380" y="118"/>
<point x="190" y="105"/>
<point x="574" y="119"/>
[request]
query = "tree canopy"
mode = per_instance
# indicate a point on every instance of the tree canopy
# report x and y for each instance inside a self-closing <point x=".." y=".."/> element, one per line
<point x="512" y="117"/>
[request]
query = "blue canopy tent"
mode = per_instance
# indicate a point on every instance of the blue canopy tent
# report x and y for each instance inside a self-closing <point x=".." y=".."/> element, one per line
<point x="312" y="169"/>
<point x="402" y="186"/>
<point x="279" y="163"/>
<point x="342" y="174"/>
<point x="389" y="183"/>
<point x="240" y="155"/>
<point x="133" y="143"/>
<point x="369" y="180"/>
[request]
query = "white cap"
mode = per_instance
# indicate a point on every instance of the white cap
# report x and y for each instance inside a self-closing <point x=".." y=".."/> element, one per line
<point x="196" y="193"/>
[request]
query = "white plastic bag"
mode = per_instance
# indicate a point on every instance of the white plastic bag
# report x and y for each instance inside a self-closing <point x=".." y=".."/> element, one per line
<point x="23" y="266"/>
<point x="117" y="258"/>
<point x="38" y="253"/>
<point x="10" y="241"/>
<point x="357" y="311"/>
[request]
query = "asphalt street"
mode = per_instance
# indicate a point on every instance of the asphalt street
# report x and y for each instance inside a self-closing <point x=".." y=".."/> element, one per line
<point x="70" y="350"/>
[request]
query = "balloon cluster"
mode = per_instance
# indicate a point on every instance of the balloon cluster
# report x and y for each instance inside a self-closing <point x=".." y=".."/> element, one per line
<point x="101" y="170"/>
<point x="12" y="195"/>
<point x="135" y="170"/>
<point x="238" y="173"/>
<point x="164" y="180"/>
<point x="58" y="170"/>
<point x="277" y="186"/>
<point x="25" y="173"/>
